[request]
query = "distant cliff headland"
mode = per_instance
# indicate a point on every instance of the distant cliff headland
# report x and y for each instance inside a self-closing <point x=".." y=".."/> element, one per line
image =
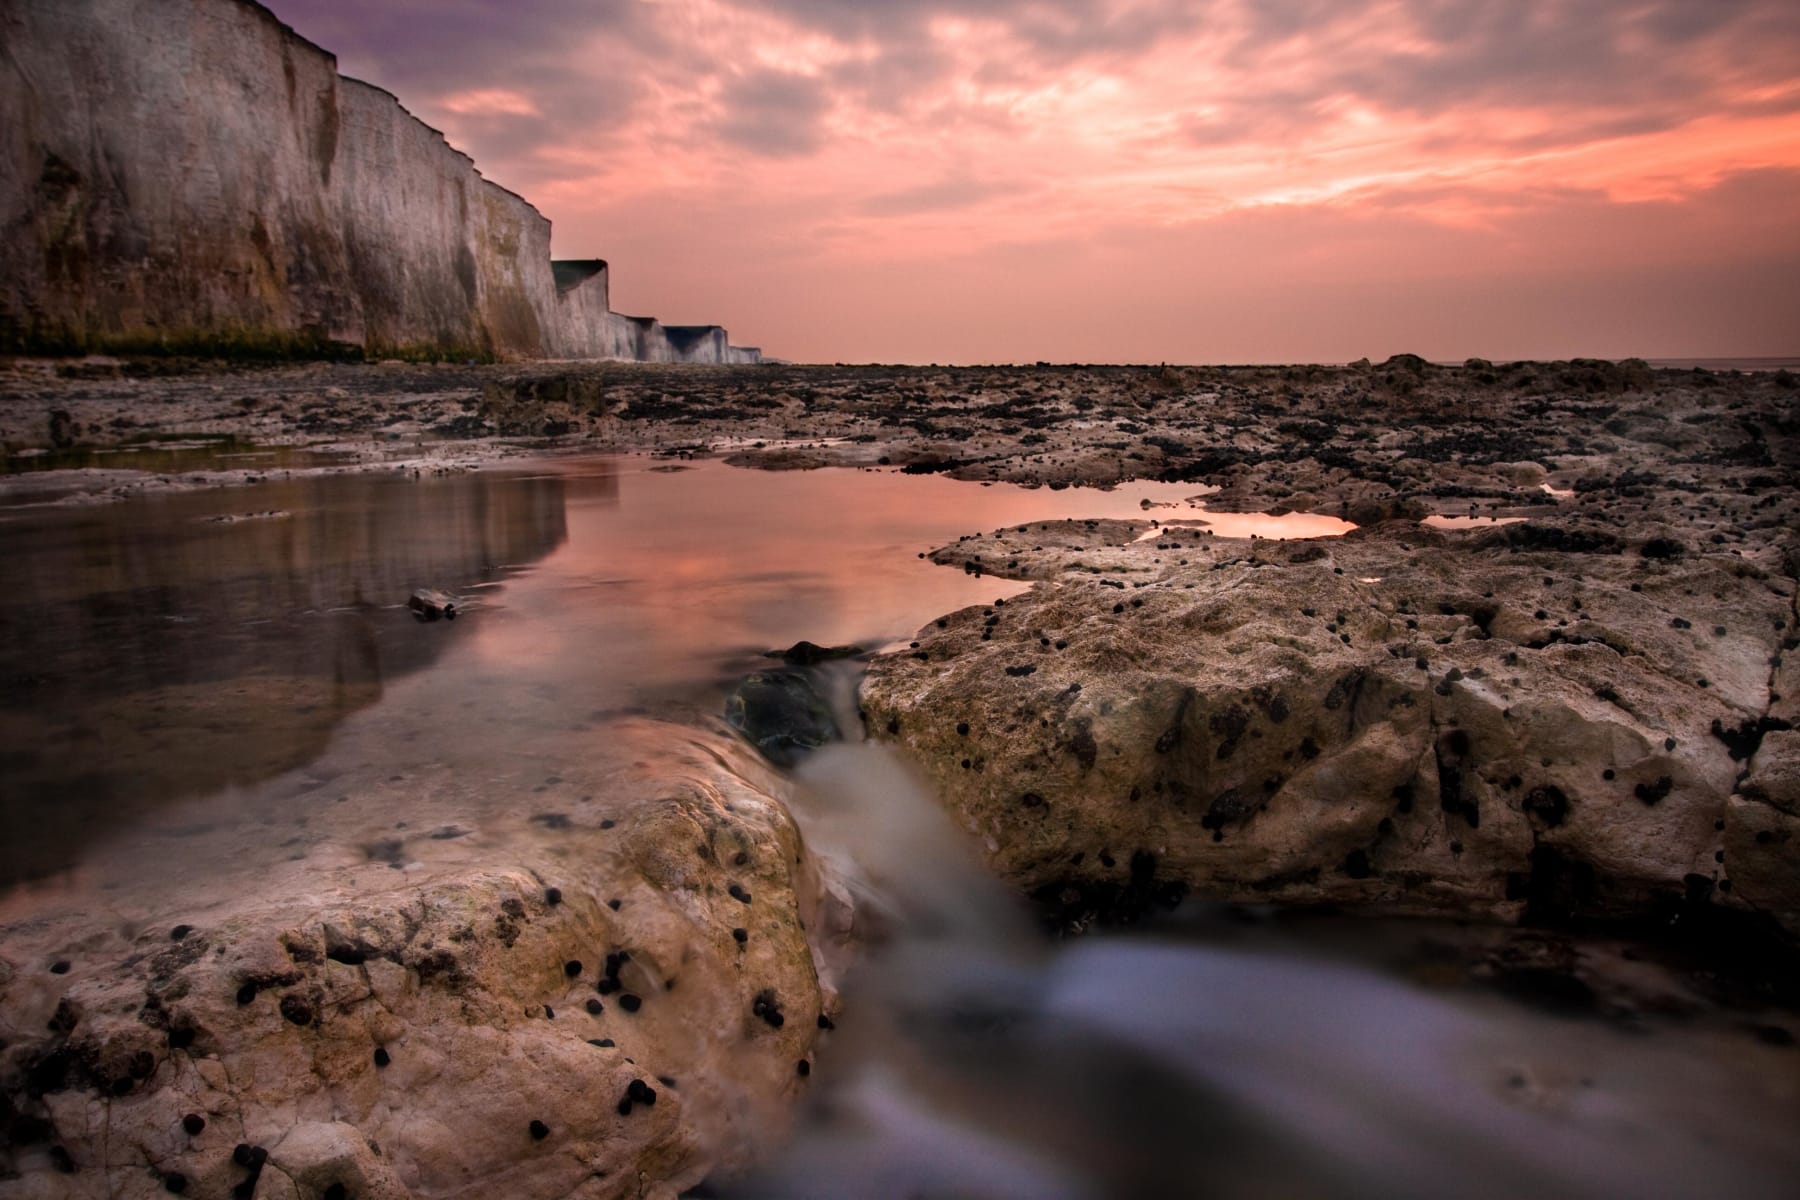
<point x="195" y="177"/>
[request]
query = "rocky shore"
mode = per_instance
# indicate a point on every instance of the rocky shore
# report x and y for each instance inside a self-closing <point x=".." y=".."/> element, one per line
<point x="1581" y="710"/>
<point x="618" y="1009"/>
<point x="1550" y="718"/>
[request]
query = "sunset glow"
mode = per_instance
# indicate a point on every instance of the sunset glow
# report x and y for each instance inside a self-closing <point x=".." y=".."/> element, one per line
<point x="996" y="180"/>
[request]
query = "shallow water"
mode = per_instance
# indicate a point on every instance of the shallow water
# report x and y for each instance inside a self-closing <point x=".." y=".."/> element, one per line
<point x="208" y="644"/>
<point x="187" y="693"/>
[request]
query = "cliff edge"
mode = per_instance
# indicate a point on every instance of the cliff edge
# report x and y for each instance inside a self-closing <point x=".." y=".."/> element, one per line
<point x="195" y="176"/>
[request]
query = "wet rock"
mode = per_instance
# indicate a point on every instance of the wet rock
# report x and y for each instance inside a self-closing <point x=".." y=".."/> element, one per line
<point x="429" y="605"/>
<point x="806" y="654"/>
<point x="1457" y="755"/>
<point x="420" y="1065"/>
<point x="782" y="714"/>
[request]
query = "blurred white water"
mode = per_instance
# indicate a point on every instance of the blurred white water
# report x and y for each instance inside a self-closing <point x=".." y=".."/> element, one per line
<point x="977" y="1060"/>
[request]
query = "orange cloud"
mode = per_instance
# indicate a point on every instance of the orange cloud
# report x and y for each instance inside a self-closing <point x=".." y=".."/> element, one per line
<point x="488" y="102"/>
<point x="884" y="164"/>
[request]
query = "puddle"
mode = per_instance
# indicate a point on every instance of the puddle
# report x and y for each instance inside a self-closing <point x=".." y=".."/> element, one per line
<point x="1449" y="522"/>
<point x="178" y="645"/>
<point x="1266" y="526"/>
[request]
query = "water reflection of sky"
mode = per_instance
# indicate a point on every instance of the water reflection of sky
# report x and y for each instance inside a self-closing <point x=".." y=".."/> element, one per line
<point x="678" y="572"/>
<point x="164" y="655"/>
<point x="198" y="682"/>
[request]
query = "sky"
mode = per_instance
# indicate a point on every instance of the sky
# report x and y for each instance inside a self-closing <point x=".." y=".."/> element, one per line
<point x="977" y="181"/>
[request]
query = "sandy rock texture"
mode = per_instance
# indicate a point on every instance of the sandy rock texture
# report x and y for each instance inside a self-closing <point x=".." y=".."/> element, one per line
<point x="1545" y="715"/>
<point x="616" y="1011"/>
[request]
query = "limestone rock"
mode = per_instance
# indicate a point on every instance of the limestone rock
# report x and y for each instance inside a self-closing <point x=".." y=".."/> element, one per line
<point x="1399" y="719"/>
<point x="474" y="1031"/>
<point x="116" y="240"/>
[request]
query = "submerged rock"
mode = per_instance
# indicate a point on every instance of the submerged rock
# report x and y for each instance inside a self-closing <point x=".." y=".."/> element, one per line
<point x="782" y="714"/>
<point x="427" y="604"/>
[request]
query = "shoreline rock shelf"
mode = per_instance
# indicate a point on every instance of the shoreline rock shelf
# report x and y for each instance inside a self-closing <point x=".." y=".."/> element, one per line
<point x="1400" y="719"/>
<point x="1585" y="713"/>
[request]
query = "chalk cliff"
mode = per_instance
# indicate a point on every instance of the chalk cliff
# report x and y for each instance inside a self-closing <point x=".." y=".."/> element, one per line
<point x="192" y="174"/>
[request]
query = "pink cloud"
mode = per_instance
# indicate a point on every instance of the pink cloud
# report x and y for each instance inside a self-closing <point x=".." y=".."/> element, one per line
<point x="995" y="179"/>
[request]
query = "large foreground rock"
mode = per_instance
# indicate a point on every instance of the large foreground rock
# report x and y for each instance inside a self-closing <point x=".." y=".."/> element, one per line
<point x="1473" y="723"/>
<point x="616" y="1008"/>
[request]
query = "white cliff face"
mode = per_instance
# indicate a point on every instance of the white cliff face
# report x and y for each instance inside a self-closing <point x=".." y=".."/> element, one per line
<point x="198" y="176"/>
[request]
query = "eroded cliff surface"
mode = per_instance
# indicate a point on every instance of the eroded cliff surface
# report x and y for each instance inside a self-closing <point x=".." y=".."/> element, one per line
<point x="196" y="175"/>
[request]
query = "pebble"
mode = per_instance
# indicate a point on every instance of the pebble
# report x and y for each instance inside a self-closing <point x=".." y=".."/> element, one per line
<point x="193" y="1123"/>
<point x="539" y="1131"/>
<point x="382" y="1058"/>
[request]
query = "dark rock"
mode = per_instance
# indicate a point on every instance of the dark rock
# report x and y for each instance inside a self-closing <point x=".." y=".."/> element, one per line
<point x="781" y="714"/>
<point x="429" y="605"/>
<point x="296" y="1009"/>
<point x="806" y="654"/>
<point x="768" y="1007"/>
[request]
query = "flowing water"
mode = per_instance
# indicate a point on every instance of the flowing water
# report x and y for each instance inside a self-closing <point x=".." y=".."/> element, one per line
<point x="193" y="683"/>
